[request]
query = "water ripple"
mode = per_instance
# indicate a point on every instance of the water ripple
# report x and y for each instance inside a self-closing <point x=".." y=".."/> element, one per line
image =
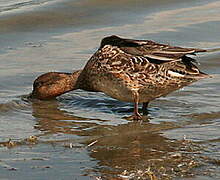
<point x="15" y="106"/>
<point x="7" y="6"/>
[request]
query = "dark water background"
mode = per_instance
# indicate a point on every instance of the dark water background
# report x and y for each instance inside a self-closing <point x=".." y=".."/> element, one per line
<point x="179" y="139"/>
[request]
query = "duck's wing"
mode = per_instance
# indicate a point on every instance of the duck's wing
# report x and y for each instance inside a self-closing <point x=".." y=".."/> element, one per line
<point x="143" y="56"/>
<point x="163" y="52"/>
<point x="150" y="49"/>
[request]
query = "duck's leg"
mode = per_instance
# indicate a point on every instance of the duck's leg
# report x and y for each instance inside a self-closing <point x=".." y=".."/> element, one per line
<point x="144" y="108"/>
<point x="136" y="115"/>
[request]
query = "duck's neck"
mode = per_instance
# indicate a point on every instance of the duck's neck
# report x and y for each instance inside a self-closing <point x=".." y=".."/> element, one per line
<point x="53" y="84"/>
<point x="73" y="80"/>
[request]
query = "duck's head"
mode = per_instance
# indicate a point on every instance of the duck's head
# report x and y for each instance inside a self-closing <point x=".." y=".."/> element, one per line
<point x="53" y="84"/>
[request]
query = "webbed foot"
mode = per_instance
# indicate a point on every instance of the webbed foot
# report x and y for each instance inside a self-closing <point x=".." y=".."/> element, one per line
<point x="136" y="116"/>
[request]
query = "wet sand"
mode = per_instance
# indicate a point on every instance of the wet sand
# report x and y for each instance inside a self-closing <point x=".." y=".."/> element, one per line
<point x="84" y="135"/>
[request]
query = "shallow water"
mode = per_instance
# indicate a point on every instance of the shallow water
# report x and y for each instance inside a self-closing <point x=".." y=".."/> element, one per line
<point x="86" y="135"/>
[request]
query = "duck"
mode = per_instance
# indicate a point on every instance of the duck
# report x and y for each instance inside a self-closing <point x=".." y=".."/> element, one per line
<point x="128" y="70"/>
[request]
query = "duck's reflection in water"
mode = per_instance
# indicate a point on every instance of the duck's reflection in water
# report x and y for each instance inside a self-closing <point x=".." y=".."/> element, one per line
<point x="124" y="149"/>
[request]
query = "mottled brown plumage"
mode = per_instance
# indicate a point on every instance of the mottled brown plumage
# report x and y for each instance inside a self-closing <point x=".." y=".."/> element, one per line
<point x="138" y="70"/>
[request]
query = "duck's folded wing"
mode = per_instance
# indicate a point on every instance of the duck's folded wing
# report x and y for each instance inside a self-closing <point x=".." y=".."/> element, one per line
<point x="126" y="55"/>
<point x="154" y="50"/>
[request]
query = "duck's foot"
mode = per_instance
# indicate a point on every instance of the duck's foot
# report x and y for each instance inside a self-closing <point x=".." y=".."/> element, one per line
<point x="136" y="116"/>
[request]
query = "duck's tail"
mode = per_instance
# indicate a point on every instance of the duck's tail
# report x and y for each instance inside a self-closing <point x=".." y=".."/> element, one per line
<point x="186" y="69"/>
